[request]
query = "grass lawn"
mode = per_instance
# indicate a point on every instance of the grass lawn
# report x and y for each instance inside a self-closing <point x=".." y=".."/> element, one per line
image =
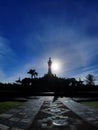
<point x="8" y="105"/>
<point x="91" y="103"/>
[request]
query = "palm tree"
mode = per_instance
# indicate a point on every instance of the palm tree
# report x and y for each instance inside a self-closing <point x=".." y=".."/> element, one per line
<point x="33" y="73"/>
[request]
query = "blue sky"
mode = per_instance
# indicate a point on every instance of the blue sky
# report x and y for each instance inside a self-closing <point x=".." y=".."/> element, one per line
<point x="31" y="31"/>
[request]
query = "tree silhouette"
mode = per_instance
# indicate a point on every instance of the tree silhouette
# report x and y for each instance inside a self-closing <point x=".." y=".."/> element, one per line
<point x="90" y="79"/>
<point x="33" y="73"/>
<point x="26" y="81"/>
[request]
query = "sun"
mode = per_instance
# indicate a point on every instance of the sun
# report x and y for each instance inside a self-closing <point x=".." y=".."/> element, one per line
<point x="55" y="66"/>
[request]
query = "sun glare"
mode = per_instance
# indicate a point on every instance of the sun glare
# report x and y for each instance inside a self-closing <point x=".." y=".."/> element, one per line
<point x="55" y="66"/>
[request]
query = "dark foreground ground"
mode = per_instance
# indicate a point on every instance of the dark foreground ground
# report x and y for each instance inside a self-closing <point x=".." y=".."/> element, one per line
<point x="41" y="113"/>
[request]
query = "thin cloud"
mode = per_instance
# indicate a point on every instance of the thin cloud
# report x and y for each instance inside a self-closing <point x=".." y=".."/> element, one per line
<point x="2" y="75"/>
<point x="5" y="50"/>
<point x="7" y="57"/>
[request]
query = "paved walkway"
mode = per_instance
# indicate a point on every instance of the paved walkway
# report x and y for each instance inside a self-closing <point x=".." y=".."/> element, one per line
<point x="21" y="117"/>
<point x="89" y="114"/>
<point x="43" y="114"/>
<point x="57" y="116"/>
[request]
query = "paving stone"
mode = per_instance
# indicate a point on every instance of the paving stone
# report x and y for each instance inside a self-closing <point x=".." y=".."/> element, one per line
<point x="14" y="111"/>
<point x="2" y="120"/>
<point x="16" y="128"/>
<point x="3" y="127"/>
<point x="25" y="120"/>
<point x="96" y="122"/>
<point x="19" y="115"/>
<point x="44" y="125"/>
<point x="14" y="119"/>
<point x="9" y="123"/>
<point x="77" y="122"/>
<point x="11" y="111"/>
<point x="73" y="127"/>
<point x="21" y="125"/>
<point x="4" y="115"/>
<point x="91" y="119"/>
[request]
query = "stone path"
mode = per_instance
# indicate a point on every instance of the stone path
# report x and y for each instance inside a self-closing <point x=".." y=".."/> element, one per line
<point x="43" y="114"/>
<point x="56" y="116"/>
<point x="89" y="114"/>
<point x="21" y="117"/>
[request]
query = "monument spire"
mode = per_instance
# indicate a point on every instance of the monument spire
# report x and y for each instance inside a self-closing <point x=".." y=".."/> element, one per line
<point x="49" y="66"/>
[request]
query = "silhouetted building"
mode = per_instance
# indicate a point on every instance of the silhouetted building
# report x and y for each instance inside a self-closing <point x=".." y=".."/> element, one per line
<point x="18" y="81"/>
<point x="49" y="66"/>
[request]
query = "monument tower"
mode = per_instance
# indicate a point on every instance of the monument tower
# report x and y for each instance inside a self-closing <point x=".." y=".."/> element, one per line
<point x="49" y="66"/>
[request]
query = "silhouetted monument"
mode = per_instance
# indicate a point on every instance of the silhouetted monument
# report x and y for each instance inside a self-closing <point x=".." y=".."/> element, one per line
<point x="49" y="66"/>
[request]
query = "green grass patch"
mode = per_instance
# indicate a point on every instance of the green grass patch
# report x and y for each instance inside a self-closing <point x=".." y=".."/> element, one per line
<point x="9" y="104"/>
<point x="91" y="103"/>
